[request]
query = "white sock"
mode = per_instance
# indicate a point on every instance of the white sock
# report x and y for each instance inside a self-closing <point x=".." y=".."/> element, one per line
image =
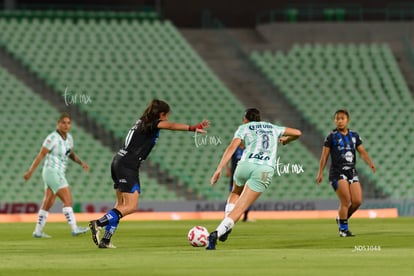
<point x="41" y="221"/>
<point x="225" y="225"/>
<point x="229" y="207"/>
<point x="70" y="217"/>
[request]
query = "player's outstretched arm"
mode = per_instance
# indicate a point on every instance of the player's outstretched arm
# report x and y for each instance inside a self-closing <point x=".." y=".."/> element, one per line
<point x="290" y="135"/>
<point x="225" y="159"/>
<point x="42" y="153"/>
<point x="184" y="127"/>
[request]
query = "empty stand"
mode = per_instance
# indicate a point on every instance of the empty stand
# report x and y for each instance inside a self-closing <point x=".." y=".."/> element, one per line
<point x="29" y="120"/>
<point x="120" y="65"/>
<point x="112" y="68"/>
<point x="365" y="79"/>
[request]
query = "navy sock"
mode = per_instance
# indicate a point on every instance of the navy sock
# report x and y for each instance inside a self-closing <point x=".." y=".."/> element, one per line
<point x="110" y="218"/>
<point x="109" y="231"/>
<point x="343" y="224"/>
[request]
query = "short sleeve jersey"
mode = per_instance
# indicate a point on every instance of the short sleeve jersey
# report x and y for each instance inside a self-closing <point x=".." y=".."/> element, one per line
<point x="260" y="140"/>
<point x="138" y="145"/>
<point x="59" y="150"/>
<point x="343" y="149"/>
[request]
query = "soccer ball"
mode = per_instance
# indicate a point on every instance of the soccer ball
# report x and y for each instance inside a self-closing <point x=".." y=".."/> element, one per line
<point x="198" y="236"/>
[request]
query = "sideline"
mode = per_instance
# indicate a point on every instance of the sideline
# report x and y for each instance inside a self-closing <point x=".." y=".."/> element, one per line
<point x="256" y="215"/>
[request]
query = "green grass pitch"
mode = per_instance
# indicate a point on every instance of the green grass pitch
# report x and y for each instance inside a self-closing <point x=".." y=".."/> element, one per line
<point x="263" y="247"/>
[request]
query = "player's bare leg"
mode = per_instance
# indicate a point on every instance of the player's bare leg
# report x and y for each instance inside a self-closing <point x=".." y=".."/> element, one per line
<point x="356" y="198"/>
<point x="246" y="199"/>
<point x="231" y="201"/>
<point x="344" y="195"/>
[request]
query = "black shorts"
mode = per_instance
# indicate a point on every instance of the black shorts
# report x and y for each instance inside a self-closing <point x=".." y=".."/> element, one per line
<point x="335" y="175"/>
<point x="126" y="180"/>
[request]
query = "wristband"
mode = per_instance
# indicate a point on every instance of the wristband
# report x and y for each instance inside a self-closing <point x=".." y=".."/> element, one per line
<point x="193" y="128"/>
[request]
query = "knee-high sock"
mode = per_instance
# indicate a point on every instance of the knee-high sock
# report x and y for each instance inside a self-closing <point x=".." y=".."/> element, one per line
<point x="41" y="220"/>
<point x="111" y="217"/>
<point x="110" y="230"/>
<point x="70" y="217"/>
<point x="343" y="224"/>
<point x="229" y="207"/>
<point x="225" y="225"/>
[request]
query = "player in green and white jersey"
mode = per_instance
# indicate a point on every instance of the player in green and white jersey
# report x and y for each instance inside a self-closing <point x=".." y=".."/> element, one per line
<point x="57" y="148"/>
<point x="255" y="169"/>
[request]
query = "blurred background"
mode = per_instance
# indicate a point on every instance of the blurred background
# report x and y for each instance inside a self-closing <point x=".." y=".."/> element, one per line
<point x="297" y="61"/>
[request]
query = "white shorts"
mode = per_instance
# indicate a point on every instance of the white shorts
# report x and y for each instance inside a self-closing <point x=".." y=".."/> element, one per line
<point x="54" y="179"/>
<point x="258" y="177"/>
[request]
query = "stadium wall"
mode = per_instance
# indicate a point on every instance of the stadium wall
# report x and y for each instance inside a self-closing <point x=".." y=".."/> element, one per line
<point x="405" y="206"/>
<point x="341" y="32"/>
<point x="187" y="13"/>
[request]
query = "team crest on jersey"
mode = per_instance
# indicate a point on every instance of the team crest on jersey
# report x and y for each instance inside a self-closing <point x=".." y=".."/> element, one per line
<point x="349" y="157"/>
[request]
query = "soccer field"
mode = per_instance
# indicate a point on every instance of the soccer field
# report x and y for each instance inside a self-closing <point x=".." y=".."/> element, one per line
<point x="263" y="247"/>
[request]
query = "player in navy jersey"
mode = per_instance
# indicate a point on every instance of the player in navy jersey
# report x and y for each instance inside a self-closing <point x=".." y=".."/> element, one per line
<point x="342" y="144"/>
<point x="138" y="144"/>
<point x="235" y="158"/>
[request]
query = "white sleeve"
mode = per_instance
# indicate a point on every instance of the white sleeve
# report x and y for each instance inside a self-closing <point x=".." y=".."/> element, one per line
<point x="49" y="142"/>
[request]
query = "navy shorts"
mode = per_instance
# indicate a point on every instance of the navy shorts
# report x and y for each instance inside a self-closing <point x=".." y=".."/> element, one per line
<point x="126" y="180"/>
<point x="350" y="175"/>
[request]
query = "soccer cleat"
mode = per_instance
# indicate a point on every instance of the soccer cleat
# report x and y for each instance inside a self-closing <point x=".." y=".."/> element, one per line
<point x="224" y="237"/>
<point x="345" y="233"/>
<point x="41" y="235"/>
<point x="212" y="241"/>
<point x="79" y="230"/>
<point x="95" y="230"/>
<point x="106" y="244"/>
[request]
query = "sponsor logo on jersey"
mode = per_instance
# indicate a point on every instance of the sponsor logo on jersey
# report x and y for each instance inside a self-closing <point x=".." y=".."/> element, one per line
<point x="259" y="156"/>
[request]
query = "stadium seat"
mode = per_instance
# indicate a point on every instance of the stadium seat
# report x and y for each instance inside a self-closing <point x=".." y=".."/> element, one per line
<point x="32" y="128"/>
<point x="368" y="78"/>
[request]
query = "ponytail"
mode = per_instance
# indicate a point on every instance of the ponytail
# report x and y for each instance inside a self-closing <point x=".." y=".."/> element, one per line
<point x="152" y="113"/>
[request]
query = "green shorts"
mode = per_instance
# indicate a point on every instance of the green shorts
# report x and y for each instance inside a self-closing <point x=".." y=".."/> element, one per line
<point x="257" y="177"/>
<point x="54" y="179"/>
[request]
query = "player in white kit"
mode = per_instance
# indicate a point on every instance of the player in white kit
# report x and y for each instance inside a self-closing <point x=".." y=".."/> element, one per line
<point x="57" y="147"/>
<point x="255" y="169"/>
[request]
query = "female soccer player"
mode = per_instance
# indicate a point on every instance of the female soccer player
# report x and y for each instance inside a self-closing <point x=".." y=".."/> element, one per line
<point x="341" y="144"/>
<point x="234" y="190"/>
<point x="255" y="169"/>
<point x="57" y="147"/>
<point x="138" y="144"/>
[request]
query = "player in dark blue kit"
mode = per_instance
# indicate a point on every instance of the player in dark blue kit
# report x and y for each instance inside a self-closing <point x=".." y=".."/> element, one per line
<point x="138" y="144"/>
<point x="342" y="144"/>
